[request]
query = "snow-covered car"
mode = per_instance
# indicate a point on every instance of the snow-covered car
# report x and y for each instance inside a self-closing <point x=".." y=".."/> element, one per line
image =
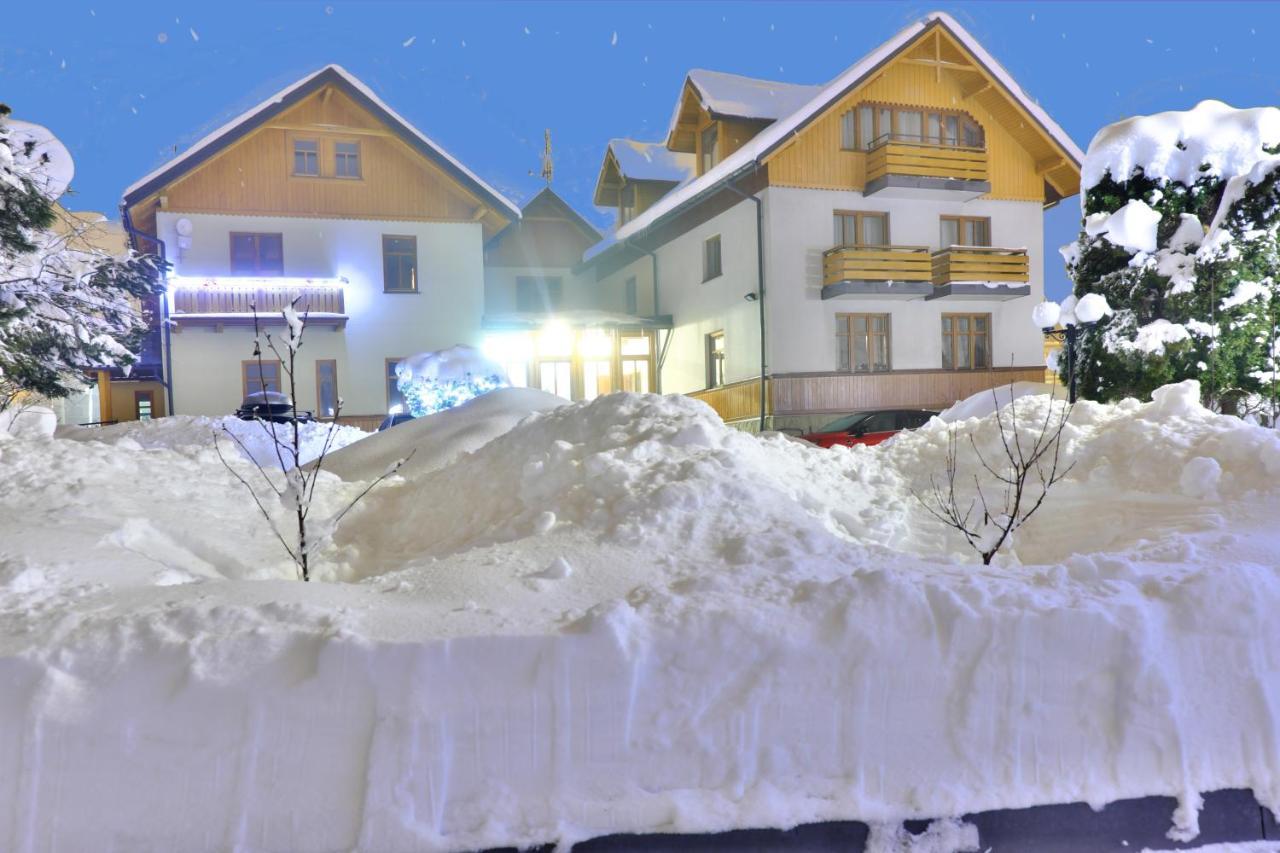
<point x="271" y="406"/>
<point x="867" y="427"/>
<point x="393" y="420"/>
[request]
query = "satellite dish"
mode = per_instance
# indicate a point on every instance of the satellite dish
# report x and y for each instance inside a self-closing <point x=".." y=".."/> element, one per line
<point x="184" y="227"/>
<point x="49" y="165"/>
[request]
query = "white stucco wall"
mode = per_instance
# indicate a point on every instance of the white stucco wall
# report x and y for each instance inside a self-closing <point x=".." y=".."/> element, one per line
<point x="580" y="292"/>
<point x="446" y="310"/>
<point x="801" y="325"/>
<point x="699" y="308"/>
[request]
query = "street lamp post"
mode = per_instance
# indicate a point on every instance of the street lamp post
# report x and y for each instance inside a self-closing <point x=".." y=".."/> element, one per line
<point x="1075" y="316"/>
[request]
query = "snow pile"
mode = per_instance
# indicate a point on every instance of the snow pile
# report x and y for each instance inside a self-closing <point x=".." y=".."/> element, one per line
<point x="28" y="420"/>
<point x="986" y="403"/>
<point x="436" y="440"/>
<point x="250" y="439"/>
<point x="1174" y="145"/>
<point x="624" y="616"/>
<point x="1132" y="227"/>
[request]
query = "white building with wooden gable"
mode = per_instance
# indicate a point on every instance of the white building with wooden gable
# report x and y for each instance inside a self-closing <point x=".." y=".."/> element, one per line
<point x="873" y="242"/>
<point x="322" y="193"/>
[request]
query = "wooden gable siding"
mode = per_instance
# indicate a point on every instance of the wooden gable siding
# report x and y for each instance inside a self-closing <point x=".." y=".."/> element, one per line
<point x="816" y="160"/>
<point x="734" y="133"/>
<point x="254" y="175"/>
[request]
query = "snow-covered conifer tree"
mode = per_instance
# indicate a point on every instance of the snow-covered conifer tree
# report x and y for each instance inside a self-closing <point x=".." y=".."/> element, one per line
<point x="1180" y="235"/>
<point x="65" y="308"/>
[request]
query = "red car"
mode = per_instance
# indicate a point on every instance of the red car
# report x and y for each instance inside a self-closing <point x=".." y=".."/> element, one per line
<point x="868" y="427"/>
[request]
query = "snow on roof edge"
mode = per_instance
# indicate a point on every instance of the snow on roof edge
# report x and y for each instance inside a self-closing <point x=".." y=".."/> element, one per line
<point x="210" y="138"/>
<point x="776" y="132"/>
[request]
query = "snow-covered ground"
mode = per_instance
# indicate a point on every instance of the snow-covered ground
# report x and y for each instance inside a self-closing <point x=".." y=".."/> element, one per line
<point x="623" y="616"/>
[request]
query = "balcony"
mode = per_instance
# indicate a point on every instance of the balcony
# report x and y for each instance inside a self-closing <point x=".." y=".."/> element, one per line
<point x="232" y="300"/>
<point x="896" y="271"/>
<point x="980" y="272"/>
<point x="910" y="167"/>
<point x="970" y="272"/>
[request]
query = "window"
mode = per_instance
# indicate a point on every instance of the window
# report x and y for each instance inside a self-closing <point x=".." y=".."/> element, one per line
<point x="257" y="376"/>
<point x="399" y="264"/>
<point x="861" y="229"/>
<point x="632" y="294"/>
<point x="864" y="342"/>
<point x="346" y="159"/>
<point x="142" y="405"/>
<point x="395" y="400"/>
<point x="538" y="295"/>
<point x="715" y="359"/>
<point x="878" y="422"/>
<point x="849" y="131"/>
<point x="627" y="204"/>
<point x="257" y="254"/>
<point x="711" y="258"/>
<point x="326" y="388"/>
<point x="306" y="157"/>
<point x="556" y="377"/>
<point x="912" y="420"/>
<point x="877" y="124"/>
<point x="637" y="361"/>
<point x="966" y="341"/>
<point x="708" y="149"/>
<point x="966" y="231"/>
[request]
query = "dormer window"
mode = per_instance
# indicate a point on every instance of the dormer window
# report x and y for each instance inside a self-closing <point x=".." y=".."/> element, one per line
<point x="708" y="161"/>
<point x="306" y="157"/>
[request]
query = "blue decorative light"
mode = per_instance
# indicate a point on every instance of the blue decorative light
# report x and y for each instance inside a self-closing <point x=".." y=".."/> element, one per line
<point x="428" y="396"/>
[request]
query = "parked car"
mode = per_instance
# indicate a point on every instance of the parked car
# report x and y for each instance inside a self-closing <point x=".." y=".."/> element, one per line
<point x="868" y="427"/>
<point x="270" y="406"/>
<point x="393" y="420"/>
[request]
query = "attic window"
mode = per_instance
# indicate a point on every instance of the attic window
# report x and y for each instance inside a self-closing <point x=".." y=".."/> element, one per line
<point x="876" y="125"/>
<point x="346" y="159"/>
<point x="627" y="204"/>
<point x="708" y="160"/>
<point x="306" y="157"/>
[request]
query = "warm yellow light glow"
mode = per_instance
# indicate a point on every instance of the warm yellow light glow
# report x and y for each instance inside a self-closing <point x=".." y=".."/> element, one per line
<point x="555" y="339"/>
<point x="595" y="343"/>
<point x="504" y="347"/>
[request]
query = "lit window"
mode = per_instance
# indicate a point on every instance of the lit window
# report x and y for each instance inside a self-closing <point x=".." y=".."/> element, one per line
<point x="715" y="359"/>
<point x="711" y="258"/>
<point x="637" y="362"/>
<point x="346" y="159"/>
<point x="555" y="377"/>
<point x="399" y="264"/>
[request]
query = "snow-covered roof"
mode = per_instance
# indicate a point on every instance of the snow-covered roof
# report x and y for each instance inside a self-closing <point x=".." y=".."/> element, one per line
<point x="289" y="95"/>
<point x="736" y="96"/>
<point x="651" y="161"/>
<point x="778" y="132"/>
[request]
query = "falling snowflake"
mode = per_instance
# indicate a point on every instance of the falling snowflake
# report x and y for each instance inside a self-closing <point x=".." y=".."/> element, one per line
<point x="464" y="42"/>
<point x="64" y="65"/>
<point x="526" y="31"/>
<point x="328" y="10"/>
<point x="613" y="41"/>
<point x="195" y="36"/>
<point x="135" y="110"/>
<point x="162" y="37"/>
<point x="410" y="40"/>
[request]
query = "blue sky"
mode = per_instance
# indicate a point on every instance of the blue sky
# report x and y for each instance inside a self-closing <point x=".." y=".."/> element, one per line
<point x="123" y="83"/>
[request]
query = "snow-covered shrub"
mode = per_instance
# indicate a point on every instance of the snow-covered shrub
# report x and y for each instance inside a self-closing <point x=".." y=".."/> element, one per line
<point x="1179" y="234"/>
<point x="434" y="381"/>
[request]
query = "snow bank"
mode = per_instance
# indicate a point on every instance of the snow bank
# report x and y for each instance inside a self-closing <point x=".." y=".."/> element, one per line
<point x="985" y="403"/>
<point x="250" y="439"/>
<point x="436" y="440"/>
<point x="623" y="616"/>
<point x="1173" y="145"/>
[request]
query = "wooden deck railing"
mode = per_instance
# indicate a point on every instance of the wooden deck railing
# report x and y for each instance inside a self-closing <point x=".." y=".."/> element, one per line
<point x="979" y="263"/>
<point x="926" y="160"/>
<point x="735" y="402"/>
<point x="876" y="263"/>
<point x="851" y="392"/>
<point x="225" y="298"/>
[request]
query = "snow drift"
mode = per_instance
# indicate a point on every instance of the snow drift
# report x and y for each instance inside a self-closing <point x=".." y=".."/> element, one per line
<point x="623" y="616"/>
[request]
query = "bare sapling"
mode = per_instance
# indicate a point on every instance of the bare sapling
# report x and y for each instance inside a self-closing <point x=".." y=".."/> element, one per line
<point x="1008" y="491"/>
<point x="294" y="482"/>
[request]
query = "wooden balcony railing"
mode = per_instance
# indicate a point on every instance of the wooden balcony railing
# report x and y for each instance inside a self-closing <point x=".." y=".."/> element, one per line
<point x="980" y="263"/>
<point x="876" y="263"/>
<point x="925" y="160"/>
<point x="229" y="300"/>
